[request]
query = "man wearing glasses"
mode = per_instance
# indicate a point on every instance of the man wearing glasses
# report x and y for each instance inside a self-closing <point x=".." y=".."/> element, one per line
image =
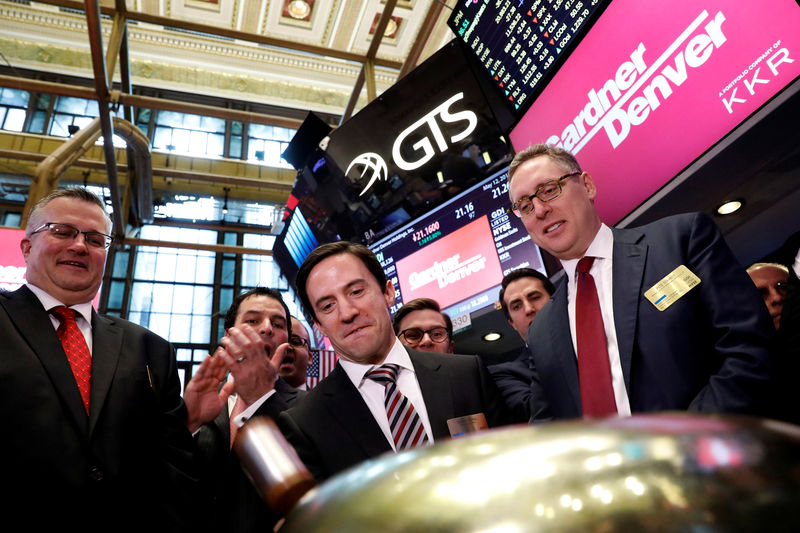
<point x="94" y="418"/>
<point x="294" y="367"/>
<point x="421" y="324"/>
<point x="656" y="318"/>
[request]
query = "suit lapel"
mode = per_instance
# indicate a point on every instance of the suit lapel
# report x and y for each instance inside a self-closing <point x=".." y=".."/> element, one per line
<point x="436" y="391"/>
<point x="347" y="406"/>
<point x="559" y="338"/>
<point x="31" y="319"/>
<point x="628" y="272"/>
<point x="106" y="350"/>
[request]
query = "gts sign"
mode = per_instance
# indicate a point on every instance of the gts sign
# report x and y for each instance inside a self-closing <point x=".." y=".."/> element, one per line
<point x="441" y="112"/>
<point x="425" y="149"/>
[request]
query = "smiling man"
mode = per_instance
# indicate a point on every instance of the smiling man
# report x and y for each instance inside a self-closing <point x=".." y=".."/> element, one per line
<point x="382" y="396"/>
<point x="94" y="401"/>
<point x="655" y="318"/>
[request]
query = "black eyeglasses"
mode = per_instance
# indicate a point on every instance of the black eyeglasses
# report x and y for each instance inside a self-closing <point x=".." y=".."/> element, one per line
<point x="414" y="336"/>
<point x="297" y="341"/>
<point x="66" y="232"/>
<point x="545" y="192"/>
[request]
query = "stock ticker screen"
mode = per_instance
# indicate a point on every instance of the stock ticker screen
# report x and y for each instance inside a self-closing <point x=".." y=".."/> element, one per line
<point x="458" y="253"/>
<point x="519" y="42"/>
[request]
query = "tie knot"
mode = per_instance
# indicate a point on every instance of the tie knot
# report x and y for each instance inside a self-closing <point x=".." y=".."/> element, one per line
<point x="585" y="264"/>
<point x="65" y="314"/>
<point x="384" y="374"/>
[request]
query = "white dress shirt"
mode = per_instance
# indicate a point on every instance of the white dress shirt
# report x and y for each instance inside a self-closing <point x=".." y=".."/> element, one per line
<point x="601" y="249"/>
<point x="373" y="392"/>
<point x="83" y="316"/>
<point x="251" y="409"/>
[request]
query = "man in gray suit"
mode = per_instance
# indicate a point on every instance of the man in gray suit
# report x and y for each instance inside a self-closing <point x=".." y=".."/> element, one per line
<point x="344" y="420"/>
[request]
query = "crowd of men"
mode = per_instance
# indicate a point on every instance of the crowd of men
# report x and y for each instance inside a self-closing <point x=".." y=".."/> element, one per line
<point x="656" y="318"/>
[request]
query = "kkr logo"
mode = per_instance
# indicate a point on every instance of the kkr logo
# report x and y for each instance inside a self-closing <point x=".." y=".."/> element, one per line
<point x="370" y="161"/>
<point x="374" y="162"/>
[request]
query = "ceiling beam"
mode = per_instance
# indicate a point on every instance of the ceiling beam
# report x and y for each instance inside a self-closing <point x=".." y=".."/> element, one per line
<point x="148" y="102"/>
<point x="367" y="69"/>
<point x="227" y="32"/>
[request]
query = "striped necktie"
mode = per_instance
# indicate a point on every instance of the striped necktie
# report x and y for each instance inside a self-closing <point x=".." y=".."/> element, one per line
<point x="404" y="421"/>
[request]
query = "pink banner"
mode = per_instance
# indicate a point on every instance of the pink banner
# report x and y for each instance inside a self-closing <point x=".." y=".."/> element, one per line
<point x="459" y="265"/>
<point x="12" y="264"/>
<point x="655" y="84"/>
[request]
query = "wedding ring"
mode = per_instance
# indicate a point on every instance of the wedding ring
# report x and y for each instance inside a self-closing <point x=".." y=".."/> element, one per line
<point x="240" y="359"/>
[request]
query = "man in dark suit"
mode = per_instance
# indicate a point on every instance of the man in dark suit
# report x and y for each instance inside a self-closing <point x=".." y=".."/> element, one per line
<point x="258" y="338"/>
<point x="344" y="419"/>
<point x="107" y="449"/>
<point x="523" y="293"/>
<point x="661" y="317"/>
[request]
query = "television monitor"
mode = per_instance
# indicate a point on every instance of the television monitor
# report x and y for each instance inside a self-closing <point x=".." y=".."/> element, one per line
<point x="653" y="85"/>
<point x="424" y="140"/>
<point x="459" y="252"/>
<point x="519" y="44"/>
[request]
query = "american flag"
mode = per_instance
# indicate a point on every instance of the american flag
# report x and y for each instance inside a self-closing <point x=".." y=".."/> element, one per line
<point x="322" y="364"/>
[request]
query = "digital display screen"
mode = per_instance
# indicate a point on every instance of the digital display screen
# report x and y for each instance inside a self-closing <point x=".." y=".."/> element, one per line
<point x="423" y="141"/>
<point x="299" y="240"/>
<point x="458" y="253"/>
<point x="638" y="106"/>
<point x="519" y="42"/>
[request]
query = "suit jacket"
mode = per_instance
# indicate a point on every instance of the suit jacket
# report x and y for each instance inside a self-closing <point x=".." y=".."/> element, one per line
<point x="709" y="351"/>
<point x="333" y="429"/>
<point x="126" y="466"/>
<point x="233" y="504"/>
<point x="513" y="379"/>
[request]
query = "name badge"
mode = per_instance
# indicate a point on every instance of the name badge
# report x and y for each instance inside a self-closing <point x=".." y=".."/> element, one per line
<point x="467" y="424"/>
<point x="674" y="285"/>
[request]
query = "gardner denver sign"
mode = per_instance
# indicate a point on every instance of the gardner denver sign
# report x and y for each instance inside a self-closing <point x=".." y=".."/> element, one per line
<point x="461" y="263"/>
<point x="655" y="84"/>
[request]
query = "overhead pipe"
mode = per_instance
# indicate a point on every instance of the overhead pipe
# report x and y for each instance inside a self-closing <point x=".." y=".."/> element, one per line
<point x="47" y="173"/>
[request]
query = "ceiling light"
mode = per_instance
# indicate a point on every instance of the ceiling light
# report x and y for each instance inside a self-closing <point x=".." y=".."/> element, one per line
<point x="391" y="28"/>
<point x="492" y="336"/>
<point x="298" y="9"/>
<point x="225" y="205"/>
<point x="730" y="207"/>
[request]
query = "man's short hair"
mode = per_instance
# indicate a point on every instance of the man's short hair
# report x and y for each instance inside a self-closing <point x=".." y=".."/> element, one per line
<point x="520" y="273"/>
<point x="420" y="304"/>
<point x="72" y="193"/>
<point x="233" y="310"/>
<point x="330" y="249"/>
<point x="756" y="266"/>
<point x="559" y="156"/>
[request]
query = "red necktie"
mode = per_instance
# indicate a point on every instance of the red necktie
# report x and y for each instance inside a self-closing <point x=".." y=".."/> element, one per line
<point x="404" y="421"/>
<point x="594" y="369"/>
<point x="74" y="343"/>
<point x="238" y="408"/>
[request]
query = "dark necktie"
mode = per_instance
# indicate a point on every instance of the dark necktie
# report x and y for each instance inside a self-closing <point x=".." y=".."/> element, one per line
<point x="594" y="369"/>
<point x="404" y="421"/>
<point x="76" y="349"/>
